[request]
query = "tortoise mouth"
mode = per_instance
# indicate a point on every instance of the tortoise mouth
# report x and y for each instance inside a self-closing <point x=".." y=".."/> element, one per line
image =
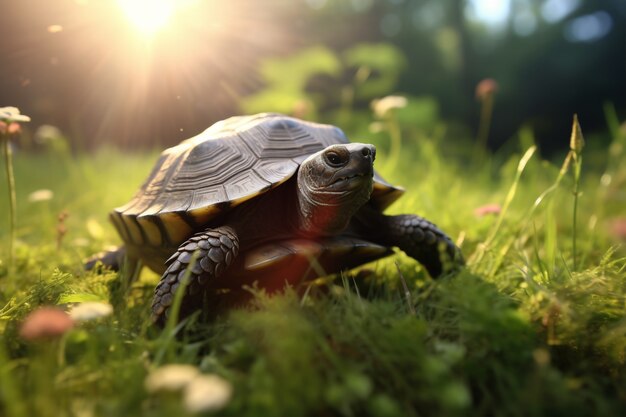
<point x="351" y="182"/>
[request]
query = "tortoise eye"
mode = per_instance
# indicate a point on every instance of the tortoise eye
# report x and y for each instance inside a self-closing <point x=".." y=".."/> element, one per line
<point x="334" y="159"/>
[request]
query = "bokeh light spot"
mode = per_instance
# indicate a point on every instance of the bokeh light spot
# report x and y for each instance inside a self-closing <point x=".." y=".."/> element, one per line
<point x="589" y="28"/>
<point x="554" y="10"/>
<point x="491" y="12"/>
<point x="524" y="23"/>
<point x="55" y="28"/>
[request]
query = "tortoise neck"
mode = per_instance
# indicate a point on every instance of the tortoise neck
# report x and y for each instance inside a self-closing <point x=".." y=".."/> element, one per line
<point x="315" y="219"/>
<point x="319" y="213"/>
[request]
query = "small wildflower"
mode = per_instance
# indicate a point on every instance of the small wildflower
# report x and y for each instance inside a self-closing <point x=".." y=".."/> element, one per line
<point x="207" y="393"/>
<point x="173" y="377"/>
<point x="376" y="127"/>
<point x="487" y="209"/>
<point x="90" y="311"/>
<point x="11" y="128"/>
<point x="40" y="195"/>
<point x="9" y="118"/>
<point x="486" y="88"/>
<point x="617" y="227"/>
<point x="12" y="114"/>
<point x="47" y="133"/>
<point x="61" y="227"/>
<point x="46" y="323"/>
<point x="382" y="106"/>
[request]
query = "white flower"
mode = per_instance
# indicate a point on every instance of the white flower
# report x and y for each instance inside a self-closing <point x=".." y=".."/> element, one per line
<point x="47" y="133"/>
<point x="385" y="104"/>
<point x="12" y="114"/>
<point x="376" y="127"/>
<point x="90" y="311"/>
<point x="170" y="378"/>
<point x="201" y="392"/>
<point x="40" y="195"/>
<point x="207" y="393"/>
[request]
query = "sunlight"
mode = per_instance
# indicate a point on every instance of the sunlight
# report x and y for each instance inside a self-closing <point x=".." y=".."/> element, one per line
<point x="492" y="12"/>
<point x="148" y="16"/>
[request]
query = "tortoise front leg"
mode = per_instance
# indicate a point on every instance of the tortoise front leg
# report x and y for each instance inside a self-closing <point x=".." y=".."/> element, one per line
<point x="423" y="241"/>
<point x="216" y="248"/>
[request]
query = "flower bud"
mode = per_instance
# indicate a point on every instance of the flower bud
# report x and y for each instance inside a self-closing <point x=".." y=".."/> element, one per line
<point x="576" y="142"/>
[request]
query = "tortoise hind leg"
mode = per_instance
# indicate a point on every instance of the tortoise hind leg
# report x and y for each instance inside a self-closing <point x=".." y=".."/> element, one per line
<point x="120" y="261"/>
<point x="216" y="249"/>
<point x="111" y="259"/>
<point x="117" y="260"/>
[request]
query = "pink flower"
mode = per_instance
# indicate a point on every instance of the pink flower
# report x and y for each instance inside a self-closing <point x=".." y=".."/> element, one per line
<point x="46" y="323"/>
<point x="10" y="128"/>
<point x="617" y="227"/>
<point x="486" y="88"/>
<point x="487" y="209"/>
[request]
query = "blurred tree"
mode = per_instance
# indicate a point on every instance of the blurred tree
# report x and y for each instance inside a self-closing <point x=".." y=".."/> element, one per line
<point x="80" y="65"/>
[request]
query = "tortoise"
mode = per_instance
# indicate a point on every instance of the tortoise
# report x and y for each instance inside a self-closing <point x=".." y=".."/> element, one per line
<point x="266" y="198"/>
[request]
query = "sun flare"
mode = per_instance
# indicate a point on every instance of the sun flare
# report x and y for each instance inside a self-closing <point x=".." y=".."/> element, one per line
<point x="148" y="16"/>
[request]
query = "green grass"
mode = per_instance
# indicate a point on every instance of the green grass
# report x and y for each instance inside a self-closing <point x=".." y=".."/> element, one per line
<point x="522" y="331"/>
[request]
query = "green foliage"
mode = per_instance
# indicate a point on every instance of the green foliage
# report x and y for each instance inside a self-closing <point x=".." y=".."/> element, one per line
<point x="286" y="80"/>
<point x="521" y="331"/>
<point x="380" y="66"/>
<point x="372" y="70"/>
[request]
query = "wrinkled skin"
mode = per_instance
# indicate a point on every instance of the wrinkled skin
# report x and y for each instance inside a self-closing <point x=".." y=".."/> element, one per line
<point x="333" y="185"/>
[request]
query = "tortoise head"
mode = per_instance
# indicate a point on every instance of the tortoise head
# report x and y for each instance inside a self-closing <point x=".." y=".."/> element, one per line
<point x="332" y="185"/>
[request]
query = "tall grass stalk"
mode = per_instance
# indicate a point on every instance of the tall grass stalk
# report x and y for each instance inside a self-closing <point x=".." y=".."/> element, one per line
<point x="10" y="118"/>
<point x="395" y="134"/>
<point x="486" y="245"/>
<point x="8" y="165"/>
<point x="172" y="324"/>
<point x="576" y="145"/>
<point x="385" y="110"/>
<point x="486" y="111"/>
<point x="485" y="93"/>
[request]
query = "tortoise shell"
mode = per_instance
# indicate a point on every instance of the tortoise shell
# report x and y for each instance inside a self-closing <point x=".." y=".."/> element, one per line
<point x="232" y="161"/>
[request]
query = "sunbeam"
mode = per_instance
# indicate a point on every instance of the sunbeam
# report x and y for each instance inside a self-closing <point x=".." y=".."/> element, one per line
<point x="148" y="16"/>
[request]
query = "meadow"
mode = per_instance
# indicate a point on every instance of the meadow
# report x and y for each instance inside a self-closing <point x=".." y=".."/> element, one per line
<point x="534" y="325"/>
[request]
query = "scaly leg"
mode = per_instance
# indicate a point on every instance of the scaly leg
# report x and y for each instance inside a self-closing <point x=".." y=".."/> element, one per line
<point x="216" y="248"/>
<point x="423" y="241"/>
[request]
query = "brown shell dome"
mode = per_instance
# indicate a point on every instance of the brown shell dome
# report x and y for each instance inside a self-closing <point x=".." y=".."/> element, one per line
<point x="232" y="161"/>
